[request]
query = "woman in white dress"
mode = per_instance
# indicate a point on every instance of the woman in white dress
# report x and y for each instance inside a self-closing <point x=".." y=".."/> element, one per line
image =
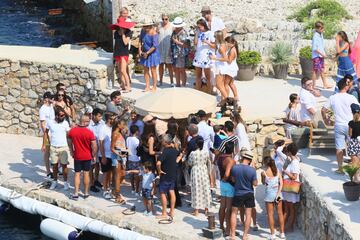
<point x="205" y="45"/>
<point x="292" y="172"/>
<point x="232" y="67"/>
<point x="240" y="131"/>
<point x="221" y="64"/>
<point x="165" y="31"/>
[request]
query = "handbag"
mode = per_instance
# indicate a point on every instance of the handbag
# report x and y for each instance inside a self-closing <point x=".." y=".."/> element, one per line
<point x="291" y="186"/>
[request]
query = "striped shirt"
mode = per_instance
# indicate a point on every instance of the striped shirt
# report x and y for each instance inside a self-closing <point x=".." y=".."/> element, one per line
<point x="233" y="139"/>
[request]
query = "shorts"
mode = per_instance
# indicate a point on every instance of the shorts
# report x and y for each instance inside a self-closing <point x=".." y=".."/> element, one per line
<point x="59" y="154"/>
<point x="118" y="58"/>
<point x="165" y="187"/>
<point x="82" y="165"/>
<point x="318" y="64"/>
<point x="133" y="165"/>
<point x="115" y="159"/>
<point x="353" y="147"/>
<point x="226" y="189"/>
<point x="341" y="134"/>
<point x="146" y="193"/>
<point x="247" y="201"/>
<point x="105" y="167"/>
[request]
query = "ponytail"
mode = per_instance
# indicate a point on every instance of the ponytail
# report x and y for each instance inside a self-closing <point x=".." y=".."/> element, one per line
<point x="272" y="166"/>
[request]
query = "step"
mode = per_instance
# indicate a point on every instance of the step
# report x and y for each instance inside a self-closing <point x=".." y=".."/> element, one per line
<point x="324" y="137"/>
<point x="322" y="145"/>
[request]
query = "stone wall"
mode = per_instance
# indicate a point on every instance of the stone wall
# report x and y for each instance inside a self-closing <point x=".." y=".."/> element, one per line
<point x="313" y="212"/>
<point x="22" y="84"/>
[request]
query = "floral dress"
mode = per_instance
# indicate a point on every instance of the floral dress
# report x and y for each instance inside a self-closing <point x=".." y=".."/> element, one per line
<point x="203" y="50"/>
<point x="199" y="160"/>
<point x="179" y="53"/>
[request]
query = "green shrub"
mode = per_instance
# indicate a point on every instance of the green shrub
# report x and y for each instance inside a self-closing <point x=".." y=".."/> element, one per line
<point x="172" y="16"/>
<point x="351" y="171"/>
<point x="249" y="58"/>
<point x="306" y="52"/>
<point x="281" y="53"/>
<point x="330" y="12"/>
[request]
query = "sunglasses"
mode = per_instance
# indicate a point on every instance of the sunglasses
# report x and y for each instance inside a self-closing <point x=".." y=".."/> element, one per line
<point x="165" y="19"/>
<point x="61" y="95"/>
<point x="61" y="115"/>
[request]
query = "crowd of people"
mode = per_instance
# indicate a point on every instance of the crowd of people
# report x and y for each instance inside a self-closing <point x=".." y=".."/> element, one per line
<point x="168" y="45"/>
<point x="162" y="160"/>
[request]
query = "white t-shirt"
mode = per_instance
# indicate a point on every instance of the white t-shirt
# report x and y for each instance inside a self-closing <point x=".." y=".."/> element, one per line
<point x="46" y="113"/>
<point x="216" y="24"/>
<point x="95" y="128"/>
<point x="58" y="133"/>
<point x="207" y="133"/>
<point x="307" y="100"/>
<point x="138" y="123"/>
<point x="147" y="180"/>
<point x="105" y="136"/>
<point x="240" y="132"/>
<point x="340" y="104"/>
<point x="293" y="167"/>
<point x="132" y="143"/>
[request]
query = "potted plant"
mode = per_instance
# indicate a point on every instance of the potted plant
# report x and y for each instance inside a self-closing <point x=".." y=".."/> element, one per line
<point x="247" y="62"/>
<point x="281" y="57"/>
<point x="306" y="64"/>
<point x="351" y="188"/>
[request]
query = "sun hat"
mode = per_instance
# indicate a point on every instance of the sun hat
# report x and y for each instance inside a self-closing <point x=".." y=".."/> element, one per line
<point x="245" y="153"/>
<point x="355" y="108"/>
<point x="146" y="21"/>
<point x="205" y="9"/>
<point x="47" y="95"/>
<point x="122" y="23"/>
<point x="178" y="22"/>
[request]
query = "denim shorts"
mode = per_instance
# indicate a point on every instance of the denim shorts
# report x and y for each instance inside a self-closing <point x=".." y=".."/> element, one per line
<point x="341" y="134"/>
<point x="226" y="189"/>
<point x="146" y="193"/>
<point x="165" y="187"/>
<point x="115" y="159"/>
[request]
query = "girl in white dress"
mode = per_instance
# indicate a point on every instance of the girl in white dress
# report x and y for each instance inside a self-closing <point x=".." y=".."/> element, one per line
<point x="232" y="69"/>
<point x="205" y="45"/>
<point x="221" y="64"/>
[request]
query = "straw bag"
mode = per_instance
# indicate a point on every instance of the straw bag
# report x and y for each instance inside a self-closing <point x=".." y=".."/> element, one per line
<point x="291" y="186"/>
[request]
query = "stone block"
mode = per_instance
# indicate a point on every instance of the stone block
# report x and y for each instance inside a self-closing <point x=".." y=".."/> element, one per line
<point x="15" y="66"/>
<point x="281" y="131"/>
<point x="33" y="70"/>
<point x="84" y="75"/>
<point x="15" y="93"/>
<point x="10" y="99"/>
<point x="30" y="132"/>
<point x="32" y="94"/>
<point x="76" y="72"/>
<point x="267" y="122"/>
<point x="268" y="129"/>
<point x="15" y="121"/>
<point x="252" y="128"/>
<point x="23" y="72"/>
<point x="13" y="83"/>
<point x="4" y="91"/>
<point x="35" y="80"/>
<point x="14" y="129"/>
<point x="44" y="76"/>
<point x="25" y="100"/>
<point x="4" y="64"/>
<point x="5" y="115"/>
<point x="7" y="106"/>
<point x="25" y="83"/>
<point x="27" y="111"/>
<point x="212" y="233"/>
<point x="25" y="118"/>
<point x="68" y="71"/>
<point x="78" y="89"/>
<point x="93" y="73"/>
<point x="5" y="123"/>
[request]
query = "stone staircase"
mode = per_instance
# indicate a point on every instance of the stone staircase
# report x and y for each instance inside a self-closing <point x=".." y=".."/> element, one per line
<point x="321" y="138"/>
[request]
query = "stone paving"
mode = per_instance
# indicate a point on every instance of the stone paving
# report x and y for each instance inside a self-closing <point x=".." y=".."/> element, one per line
<point x="21" y="157"/>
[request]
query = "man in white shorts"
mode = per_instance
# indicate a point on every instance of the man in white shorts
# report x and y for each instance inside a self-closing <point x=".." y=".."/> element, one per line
<point x="340" y="104"/>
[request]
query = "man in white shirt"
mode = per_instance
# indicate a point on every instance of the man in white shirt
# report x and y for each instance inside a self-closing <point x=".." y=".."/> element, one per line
<point x="205" y="131"/>
<point x="105" y="152"/>
<point x="59" y="146"/>
<point x="95" y="124"/>
<point x="214" y="23"/>
<point x="340" y="104"/>
<point x="308" y="101"/>
<point x="46" y="114"/>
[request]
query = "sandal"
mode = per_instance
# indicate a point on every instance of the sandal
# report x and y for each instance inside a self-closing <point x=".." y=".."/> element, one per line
<point x="130" y="211"/>
<point x="166" y="220"/>
<point x="120" y="200"/>
<point x="74" y="197"/>
<point x="85" y="196"/>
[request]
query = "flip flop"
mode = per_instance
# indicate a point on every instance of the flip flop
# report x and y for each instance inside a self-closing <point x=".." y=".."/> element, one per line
<point x="74" y="197"/>
<point x="85" y="196"/>
<point x="166" y="220"/>
<point x="120" y="201"/>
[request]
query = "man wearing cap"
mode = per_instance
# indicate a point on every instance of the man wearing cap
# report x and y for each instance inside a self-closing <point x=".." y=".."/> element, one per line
<point x="340" y="104"/>
<point x="214" y="23"/>
<point x="245" y="179"/>
<point x="46" y="114"/>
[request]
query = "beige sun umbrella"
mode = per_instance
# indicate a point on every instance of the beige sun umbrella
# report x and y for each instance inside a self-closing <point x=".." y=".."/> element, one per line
<point x="175" y="102"/>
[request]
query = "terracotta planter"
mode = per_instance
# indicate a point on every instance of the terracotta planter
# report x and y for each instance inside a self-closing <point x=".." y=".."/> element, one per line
<point x="280" y="71"/>
<point x="352" y="191"/>
<point x="306" y="67"/>
<point x="246" y="72"/>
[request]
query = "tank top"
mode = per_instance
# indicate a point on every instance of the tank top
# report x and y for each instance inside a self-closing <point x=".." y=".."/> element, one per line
<point x="220" y="164"/>
<point x="233" y="66"/>
<point x="345" y="51"/>
<point x="220" y="65"/>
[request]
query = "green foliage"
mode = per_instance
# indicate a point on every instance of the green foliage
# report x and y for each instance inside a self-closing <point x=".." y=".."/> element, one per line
<point x="181" y="14"/>
<point x="351" y="170"/>
<point x="305" y="52"/>
<point x="330" y="12"/>
<point x="281" y="53"/>
<point x="249" y="58"/>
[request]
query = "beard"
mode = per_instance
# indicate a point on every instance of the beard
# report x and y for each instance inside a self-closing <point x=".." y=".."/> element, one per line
<point x="60" y="120"/>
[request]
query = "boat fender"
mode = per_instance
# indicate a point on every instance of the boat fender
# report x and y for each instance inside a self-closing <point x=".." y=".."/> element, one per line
<point x="58" y="230"/>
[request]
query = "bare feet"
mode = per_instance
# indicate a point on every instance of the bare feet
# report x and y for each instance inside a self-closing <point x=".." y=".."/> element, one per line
<point x="146" y="90"/>
<point x="195" y="213"/>
<point x="161" y="216"/>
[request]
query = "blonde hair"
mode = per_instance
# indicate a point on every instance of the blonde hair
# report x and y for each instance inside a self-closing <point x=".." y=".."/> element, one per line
<point x="356" y="117"/>
<point x="219" y="37"/>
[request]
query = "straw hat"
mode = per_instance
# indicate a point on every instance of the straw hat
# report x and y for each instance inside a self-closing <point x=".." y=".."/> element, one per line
<point x="146" y="21"/>
<point x="178" y="22"/>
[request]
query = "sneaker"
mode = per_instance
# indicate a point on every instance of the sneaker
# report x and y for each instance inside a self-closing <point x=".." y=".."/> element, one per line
<point x="132" y="192"/>
<point x="145" y="213"/>
<point x="271" y="237"/>
<point x="53" y="185"/>
<point x="50" y="176"/>
<point x="66" y="186"/>
<point x="150" y="214"/>
<point x="282" y="236"/>
<point x="94" y="189"/>
<point x="256" y="227"/>
<point x="137" y="194"/>
<point x="98" y="184"/>
<point x="107" y="195"/>
<point x="74" y="197"/>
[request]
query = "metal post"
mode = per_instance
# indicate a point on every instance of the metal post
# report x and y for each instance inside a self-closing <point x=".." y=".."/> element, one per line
<point x="116" y="6"/>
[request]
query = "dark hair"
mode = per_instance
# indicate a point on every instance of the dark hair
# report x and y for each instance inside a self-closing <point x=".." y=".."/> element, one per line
<point x="238" y="119"/>
<point x="199" y="143"/>
<point x="117" y="122"/>
<point x="97" y="111"/>
<point x="318" y="24"/>
<point x="349" y="77"/>
<point x="133" y="129"/>
<point x="344" y="36"/>
<point x="218" y="128"/>
<point x="279" y="142"/>
<point x="231" y="39"/>
<point x="148" y="165"/>
<point x="292" y="98"/>
<point x="58" y="109"/>
<point x="108" y="115"/>
<point x="270" y="162"/>
<point x="65" y="97"/>
<point x="149" y="131"/>
<point x="172" y="127"/>
<point x="59" y="85"/>
<point x="342" y="84"/>
<point x="192" y="118"/>
<point x="203" y="23"/>
<point x="114" y="94"/>
<point x="229" y="147"/>
<point x="292" y="149"/>
<point x="229" y="126"/>
<point x="304" y="80"/>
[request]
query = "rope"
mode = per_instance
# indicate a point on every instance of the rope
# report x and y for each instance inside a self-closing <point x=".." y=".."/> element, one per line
<point x="85" y="227"/>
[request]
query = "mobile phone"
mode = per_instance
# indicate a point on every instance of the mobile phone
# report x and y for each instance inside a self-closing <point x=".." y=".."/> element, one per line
<point x="278" y="199"/>
<point x="212" y="150"/>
